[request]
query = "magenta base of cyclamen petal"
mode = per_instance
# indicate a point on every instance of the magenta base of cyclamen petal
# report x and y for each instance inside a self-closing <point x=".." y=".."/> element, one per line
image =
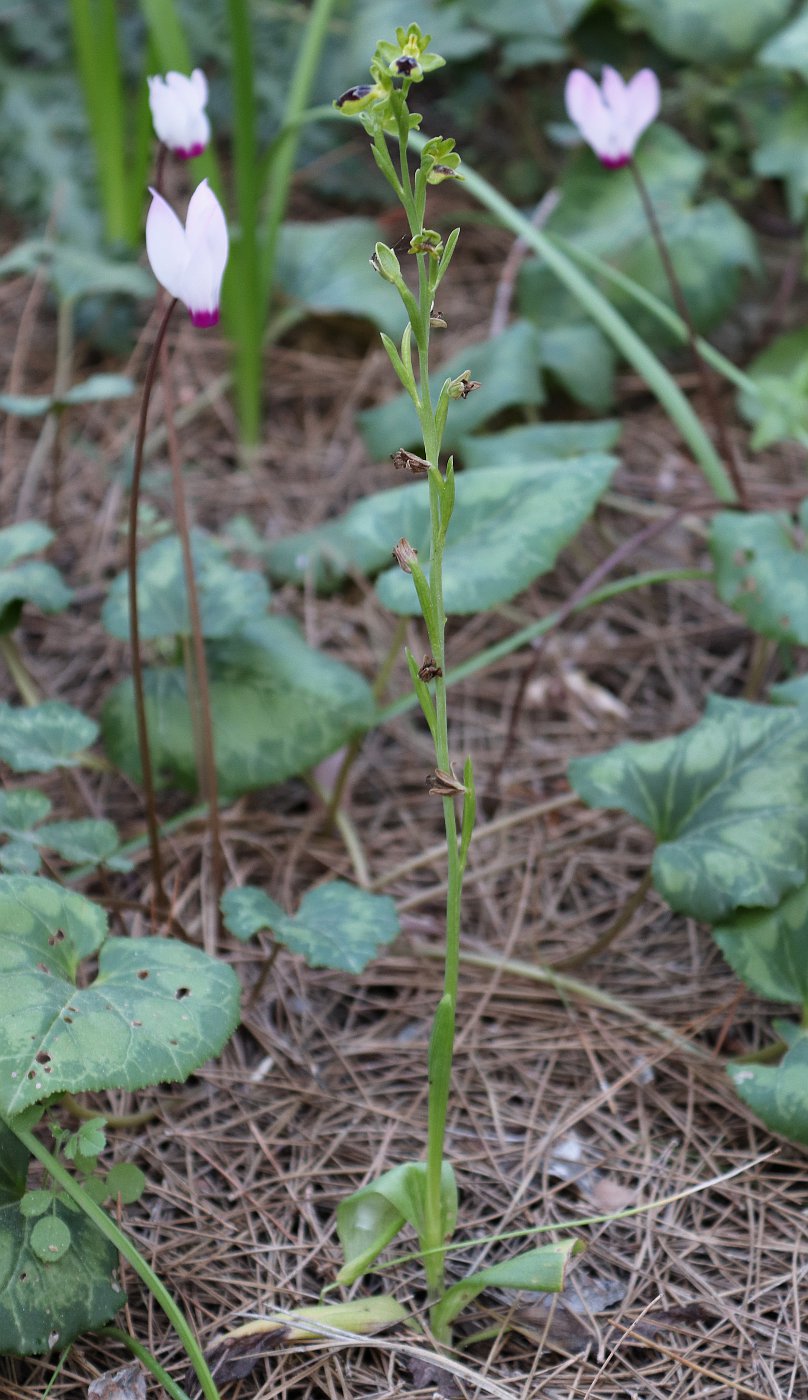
<point x="614" y="162"/>
<point x="188" y="153"/>
<point x="205" y="318"/>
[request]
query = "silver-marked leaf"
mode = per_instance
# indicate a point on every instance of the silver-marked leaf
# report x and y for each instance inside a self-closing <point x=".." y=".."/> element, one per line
<point x="761" y="570"/>
<point x="31" y="581"/>
<point x="228" y="597"/>
<point x="155" y="1011"/>
<point x="769" y="948"/>
<point x="789" y="48"/>
<point x="726" y="800"/>
<point x="713" y="31"/>
<point x="538" y="442"/>
<point x="50" y="1239"/>
<point x="44" y="1305"/>
<point x="583" y="361"/>
<point x="21" y="810"/>
<point x="337" y="925"/>
<point x="18" y="541"/>
<point x="279" y="707"/>
<point x="97" y="389"/>
<point x="508" y="369"/>
<point x="371" y="1217"/>
<point x="360" y="540"/>
<point x="84" y="840"/>
<point x="778" y="1094"/>
<point x="326" y="268"/>
<point x="508" y="527"/>
<point x="541" y="1270"/>
<point x="41" y="737"/>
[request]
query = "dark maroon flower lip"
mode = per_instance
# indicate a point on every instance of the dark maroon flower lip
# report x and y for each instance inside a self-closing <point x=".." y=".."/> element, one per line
<point x="614" y="162"/>
<point x="188" y="152"/>
<point x="205" y="318"/>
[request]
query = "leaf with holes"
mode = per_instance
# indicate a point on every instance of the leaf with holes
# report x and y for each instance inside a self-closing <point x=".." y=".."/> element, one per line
<point x="509" y="373"/>
<point x="768" y="948"/>
<point x="726" y="801"/>
<point x="778" y="1094"/>
<point x="761" y="570"/>
<point x="337" y="925"/>
<point x="228" y="597"/>
<point x="41" y="737"/>
<point x="279" y="707"/>
<point x="47" y="1300"/>
<point x="154" y="1012"/>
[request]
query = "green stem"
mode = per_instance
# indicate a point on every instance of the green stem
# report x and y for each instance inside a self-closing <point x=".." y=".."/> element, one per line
<point x="110" y="1230"/>
<point x="145" y="1357"/>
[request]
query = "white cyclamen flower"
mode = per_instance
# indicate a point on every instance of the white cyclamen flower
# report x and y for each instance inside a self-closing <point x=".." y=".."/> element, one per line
<point x="178" y="112"/>
<point x="611" y="118"/>
<point x="189" y="262"/>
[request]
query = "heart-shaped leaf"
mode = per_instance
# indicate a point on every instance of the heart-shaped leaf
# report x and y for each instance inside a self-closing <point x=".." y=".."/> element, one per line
<point x="228" y="597"/>
<point x="714" y="32"/>
<point x="779" y="411"/>
<point x="97" y="389"/>
<point x="508" y="526"/>
<point x="541" y="1270"/>
<point x="540" y="442"/>
<point x="41" y="737"/>
<point x="508" y="370"/>
<point x="726" y="801"/>
<point x="337" y="925"/>
<point x="325" y="266"/>
<point x="32" y="581"/>
<point x="778" y="1094"/>
<point x="769" y="948"/>
<point x="47" y="1300"/>
<point x="154" y="1012"/>
<point x="761" y="570"/>
<point x="279" y="707"/>
<point x="370" y="1218"/>
<point x="18" y="541"/>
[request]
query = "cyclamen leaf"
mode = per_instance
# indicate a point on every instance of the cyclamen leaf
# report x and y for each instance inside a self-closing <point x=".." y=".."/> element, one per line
<point x="337" y="925"/>
<point x="155" y="1011"/>
<point x="778" y="1094"/>
<point x="726" y="800"/>
<point x="761" y="569"/>
<point x="717" y="32"/>
<point x="44" y="1305"/>
<point x="769" y="948"/>
<point x="42" y="737"/>
<point x="539" y="442"/>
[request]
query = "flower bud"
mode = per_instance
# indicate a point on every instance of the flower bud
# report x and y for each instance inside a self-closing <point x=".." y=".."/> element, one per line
<point x="357" y="99"/>
<point x="464" y="385"/>
<point x="427" y="241"/>
<point x="386" y="263"/>
<point x="178" y="112"/>
<point x="189" y="262"/>
<point x="405" y="556"/>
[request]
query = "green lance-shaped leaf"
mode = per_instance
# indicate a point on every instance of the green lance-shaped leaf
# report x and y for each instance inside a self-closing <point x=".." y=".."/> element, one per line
<point x="725" y="799"/>
<point x="154" y="1012"/>
<point x="47" y="1298"/>
<point x="768" y="948"/>
<point x="228" y="597"/>
<point x="370" y="1218"/>
<point x="778" y="1094"/>
<point x="337" y="925"/>
<point x="39" y="738"/>
<point x="278" y="706"/>
<point x="761" y="570"/>
<point x="541" y="1270"/>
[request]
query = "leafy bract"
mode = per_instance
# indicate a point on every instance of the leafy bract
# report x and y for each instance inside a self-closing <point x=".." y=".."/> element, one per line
<point x="370" y="1218"/>
<point x="337" y="925"/>
<point x="761" y="570"/>
<point x="508" y="526"/>
<point x="45" y="1303"/>
<point x="541" y="1270"/>
<point x="278" y="707"/>
<point x="41" y="737"/>
<point x="768" y="948"/>
<point x="600" y="212"/>
<point x="228" y="597"/>
<point x="726" y="800"/>
<point x="538" y="442"/>
<point x="324" y="266"/>
<point x="508" y="369"/>
<point x="778" y="1093"/>
<point x="31" y="581"/>
<point x="717" y="31"/>
<point x="153" y="1013"/>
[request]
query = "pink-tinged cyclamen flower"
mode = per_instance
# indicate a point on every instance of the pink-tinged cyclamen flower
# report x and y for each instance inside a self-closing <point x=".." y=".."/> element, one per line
<point x="611" y="118"/>
<point x="178" y="112"/>
<point x="189" y="262"/>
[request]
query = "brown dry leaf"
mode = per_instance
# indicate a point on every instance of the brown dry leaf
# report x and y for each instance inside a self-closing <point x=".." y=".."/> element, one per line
<point x="127" y="1383"/>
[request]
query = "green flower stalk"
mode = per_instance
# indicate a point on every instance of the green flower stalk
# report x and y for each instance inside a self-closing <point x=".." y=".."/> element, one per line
<point x="422" y="1194"/>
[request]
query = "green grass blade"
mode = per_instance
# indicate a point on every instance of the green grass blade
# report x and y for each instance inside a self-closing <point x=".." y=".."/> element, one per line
<point x="95" y="42"/>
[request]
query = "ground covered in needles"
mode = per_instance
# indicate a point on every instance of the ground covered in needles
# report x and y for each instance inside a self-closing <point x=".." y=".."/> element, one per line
<point x="567" y="1104"/>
